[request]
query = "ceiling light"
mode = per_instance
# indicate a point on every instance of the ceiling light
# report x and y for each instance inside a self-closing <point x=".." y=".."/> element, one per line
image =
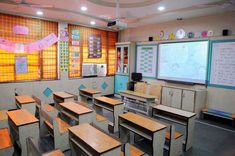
<point x="92" y="22"/>
<point x="161" y="8"/>
<point x="83" y="8"/>
<point x="39" y="13"/>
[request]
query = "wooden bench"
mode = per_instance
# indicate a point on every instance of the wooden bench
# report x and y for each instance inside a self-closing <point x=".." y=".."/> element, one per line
<point x="98" y="120"/>
<point x="220" y="114"/>
<point x="174" y="142"/>
<point x="3" y="119"/>
<point x="56" y="127"/>
<point x="37" y="148"/>
<point x="6" y="147"/>
<point x="130" y="150"/>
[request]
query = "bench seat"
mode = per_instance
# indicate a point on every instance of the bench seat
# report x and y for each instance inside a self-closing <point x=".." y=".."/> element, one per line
<point x="63" y="126"/>
<point x="176" y="135"/>
<point x="6" y="146"/>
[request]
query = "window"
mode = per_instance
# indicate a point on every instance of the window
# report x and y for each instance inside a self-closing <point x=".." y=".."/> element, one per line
<point x="40" y="65"/>
<point x="108" y="40"/>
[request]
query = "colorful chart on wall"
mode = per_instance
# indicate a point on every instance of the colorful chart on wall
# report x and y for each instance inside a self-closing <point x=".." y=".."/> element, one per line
<point x="147" y="60"/>
<point x="75" y="51"/>
<point x="94" y="46"/>
<point x="21" y="65"/>
<point x="64" y="57"/>
<point x="222" y="64"/>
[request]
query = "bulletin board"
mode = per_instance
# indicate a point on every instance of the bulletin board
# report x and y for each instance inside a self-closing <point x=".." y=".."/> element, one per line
<point x="146" y="61"/>
<point x="222" y="64"/>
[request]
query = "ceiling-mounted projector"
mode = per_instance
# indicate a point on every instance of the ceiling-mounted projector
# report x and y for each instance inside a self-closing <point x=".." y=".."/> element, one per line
<point x="117" y="25"/>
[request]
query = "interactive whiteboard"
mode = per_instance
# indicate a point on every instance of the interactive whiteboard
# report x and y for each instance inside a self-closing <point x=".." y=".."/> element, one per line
<point x="222" y="63"/>
<point x="183" y="61"/>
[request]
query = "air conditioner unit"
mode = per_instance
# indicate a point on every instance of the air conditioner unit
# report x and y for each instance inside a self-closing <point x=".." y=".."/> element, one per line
<point x="101" y="69"/>
<point x="89" y="70"/>
<point x="117" y="25"/>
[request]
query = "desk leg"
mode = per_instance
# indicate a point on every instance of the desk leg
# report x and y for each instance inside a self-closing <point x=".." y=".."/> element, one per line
<point x="30" y="130"/>
<point x="117" y="111"/>
<point x="158" y="142"/>
<point x="189" y="133"/>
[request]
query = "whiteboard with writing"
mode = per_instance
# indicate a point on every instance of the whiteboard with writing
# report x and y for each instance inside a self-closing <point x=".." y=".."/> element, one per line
<point x="222" y="65"/>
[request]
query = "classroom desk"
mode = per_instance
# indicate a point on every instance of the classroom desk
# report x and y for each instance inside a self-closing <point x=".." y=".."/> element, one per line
<point x="76" y="112"/>
<point x="178" y="116"/>
<point x="112" y="105"/>
<point x="60" y="97"/>
<point x="137" y="98"/>
<point x="93" y="141"/>
<point x="145" y="127"/>
<point x="26" y="102"/>
<point x="88" y="93"/>
<point x="3" y="119"/>
<point x="22" y="125"/>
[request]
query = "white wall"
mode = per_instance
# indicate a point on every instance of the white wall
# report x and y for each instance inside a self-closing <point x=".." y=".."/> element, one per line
<point x="7" y="97"/>
<point x="218" y="98"/>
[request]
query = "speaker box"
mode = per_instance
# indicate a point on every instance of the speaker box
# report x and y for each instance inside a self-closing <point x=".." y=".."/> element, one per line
<point x="150" y="38"/>
<point x="225" y="32"/>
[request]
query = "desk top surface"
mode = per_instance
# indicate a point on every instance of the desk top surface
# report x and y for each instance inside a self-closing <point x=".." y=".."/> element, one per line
<point x="90" y="91"/>
<point x="5" y="141"/>
<point x="143" y="122"/>
<point x="108" y="100"/>
<point x="146" y="96"/>
<point x="76" y="108"/>
<point x="174" y="111"/>
<point x="94" y="138"/>
<point x="3" y="115"/>
<point x="63" y="95"/>
<point x="54" y="153"/>
<point x="24" y="99"/>
<point x="21" y="117"/>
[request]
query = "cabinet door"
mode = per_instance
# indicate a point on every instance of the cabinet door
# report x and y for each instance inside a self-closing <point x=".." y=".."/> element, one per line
<point x="125" y="60"/>
<point x="176" y="98"/>
<point x="119" y="59"/>
<point x="166" y="96"/>
<point x="120" y="83"/>
<point x="188" y="100"/>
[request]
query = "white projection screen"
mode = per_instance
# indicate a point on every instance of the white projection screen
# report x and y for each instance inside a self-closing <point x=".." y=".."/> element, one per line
<point x="183" y="62"/>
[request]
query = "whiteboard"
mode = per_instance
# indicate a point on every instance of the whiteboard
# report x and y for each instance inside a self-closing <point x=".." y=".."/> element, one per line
<point x="147" y="60"/>
<point x="222" y="63"/>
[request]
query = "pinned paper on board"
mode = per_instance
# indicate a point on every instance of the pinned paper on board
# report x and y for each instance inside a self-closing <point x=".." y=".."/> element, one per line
<point x="21" y="65"/>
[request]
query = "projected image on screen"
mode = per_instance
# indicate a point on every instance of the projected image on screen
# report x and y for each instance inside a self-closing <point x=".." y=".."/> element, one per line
<point x="184" y="62"/>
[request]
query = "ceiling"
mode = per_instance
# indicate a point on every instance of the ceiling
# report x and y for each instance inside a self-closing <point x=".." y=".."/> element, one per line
<point x="134" y="12"/>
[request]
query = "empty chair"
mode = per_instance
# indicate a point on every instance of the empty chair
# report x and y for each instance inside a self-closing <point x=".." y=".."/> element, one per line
<point x="56" y="127"/>
<point x="141" y="87"/>
<point x="174" y="142"/>
<point x="130" y="150"/>
<point x="6" y="147"/>
<point x="155" y="90"/>
<point x="3" y="119"/>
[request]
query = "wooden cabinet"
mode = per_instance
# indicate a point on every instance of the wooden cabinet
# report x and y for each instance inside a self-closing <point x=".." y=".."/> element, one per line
<point x="192" y="100"/>
<point x="125" y="64"/>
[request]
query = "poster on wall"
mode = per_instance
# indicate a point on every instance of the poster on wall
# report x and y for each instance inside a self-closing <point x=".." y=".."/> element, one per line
<point x="94" y="46"/>
<point x="21" y="65"/>
<point x="147" y="61"/>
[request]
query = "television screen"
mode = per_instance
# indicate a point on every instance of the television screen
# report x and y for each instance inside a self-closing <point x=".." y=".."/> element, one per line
<point x="184" y="62"/>
<point x="136" y="76"/>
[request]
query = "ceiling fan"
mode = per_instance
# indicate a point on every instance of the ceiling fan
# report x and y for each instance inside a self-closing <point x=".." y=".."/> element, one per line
<point x="24" y="3"/>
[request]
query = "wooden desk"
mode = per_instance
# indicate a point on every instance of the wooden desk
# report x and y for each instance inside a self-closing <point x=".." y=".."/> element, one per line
<point x="92" y="141"/>
<point x="145" y="127"/>
<point x="22" y="125"/>
<point x="137" y="99"/>
<point x="26" y="102"/>
<point x="3" y="119"/>
<point x="77" y="112"/>
<point x="88" y="93"/>
<point x="60" y="97"/>
<point x="112" y="105"/>
<point x="177" y="116"/>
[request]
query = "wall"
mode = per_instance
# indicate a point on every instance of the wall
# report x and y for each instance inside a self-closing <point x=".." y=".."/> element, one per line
<point x="219" y="98"/>
<point x="7" y="90"/>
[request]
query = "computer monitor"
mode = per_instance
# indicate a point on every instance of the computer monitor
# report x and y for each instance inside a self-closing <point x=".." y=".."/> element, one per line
<point x="136" y="76"/>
